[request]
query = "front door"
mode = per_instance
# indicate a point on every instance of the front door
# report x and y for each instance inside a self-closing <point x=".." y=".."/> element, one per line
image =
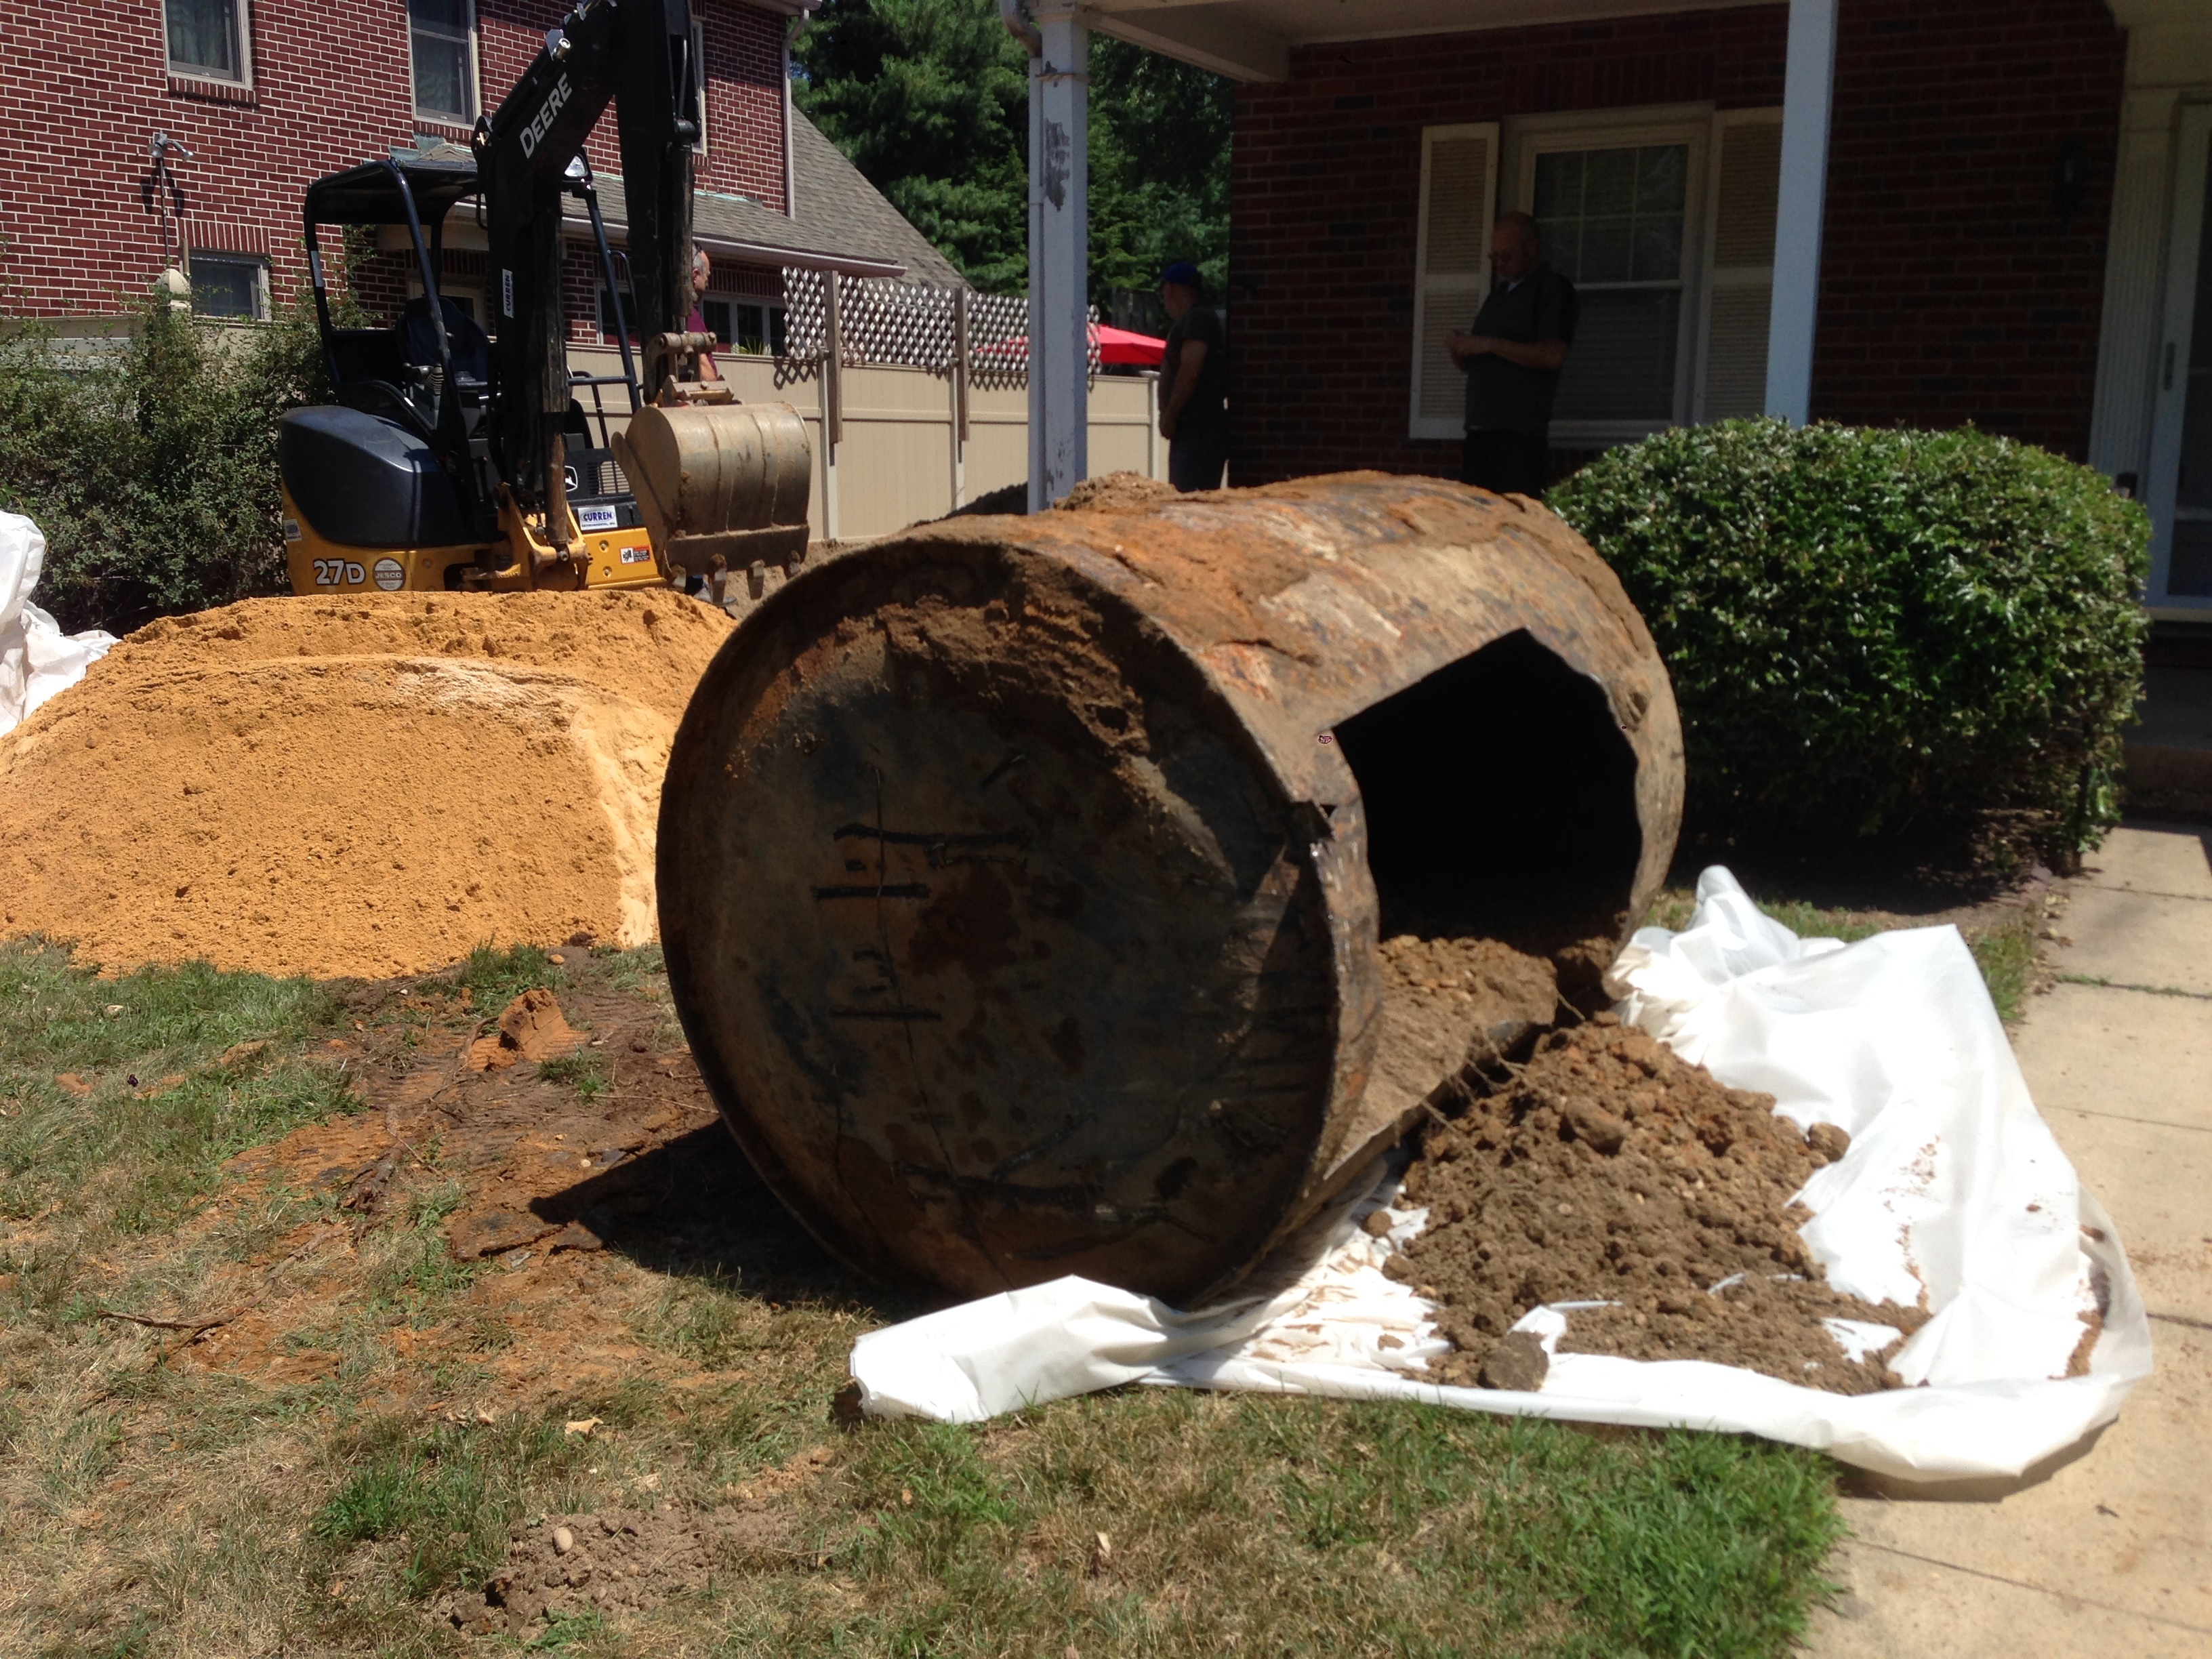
<point x="2180" y="495"/>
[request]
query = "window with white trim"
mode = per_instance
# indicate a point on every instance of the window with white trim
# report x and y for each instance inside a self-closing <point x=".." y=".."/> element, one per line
<point x="750" y="326"/>
<point x="1662" y="218"/>
<point x="1611" y="221"/>
<point x="208" y="40"/>
<point x="1459" y="200"/>
<point x="441" y="37"/>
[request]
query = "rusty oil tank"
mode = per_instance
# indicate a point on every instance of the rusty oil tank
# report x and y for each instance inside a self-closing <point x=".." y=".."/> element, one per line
<point x="1021" y="878"/>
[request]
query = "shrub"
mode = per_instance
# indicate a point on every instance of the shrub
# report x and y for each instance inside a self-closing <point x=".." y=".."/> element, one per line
<point x="150" y="462"/>
<point x="1882" y="633"/>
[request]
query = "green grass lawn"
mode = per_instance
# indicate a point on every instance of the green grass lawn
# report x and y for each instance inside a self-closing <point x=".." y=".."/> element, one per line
<point x="150" y="1506"/>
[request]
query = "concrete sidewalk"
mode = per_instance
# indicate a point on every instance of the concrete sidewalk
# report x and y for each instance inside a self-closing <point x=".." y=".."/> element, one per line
<point x="2110" y="1551"/>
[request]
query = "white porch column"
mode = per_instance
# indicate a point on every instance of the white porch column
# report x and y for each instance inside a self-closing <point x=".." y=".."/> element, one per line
<point x="1060" y="251"/>
<point x="1808" y="89"/>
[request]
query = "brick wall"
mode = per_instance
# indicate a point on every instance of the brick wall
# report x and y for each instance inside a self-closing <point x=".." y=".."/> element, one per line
<point x="1950" y="289"/>
<point x="84" y="83"/>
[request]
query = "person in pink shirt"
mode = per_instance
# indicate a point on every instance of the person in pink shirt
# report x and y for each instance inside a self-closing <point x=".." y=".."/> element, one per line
<point x="702" y="267"/>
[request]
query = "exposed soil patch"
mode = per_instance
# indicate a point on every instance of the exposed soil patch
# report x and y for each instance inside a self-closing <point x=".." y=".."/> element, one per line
<point x="1449" y="1003"/>
<point x="1114" y="492"/>
<point x="1607" y="1170"/>
<point x="612" y="1560"/>
<point x="365" y="786"/>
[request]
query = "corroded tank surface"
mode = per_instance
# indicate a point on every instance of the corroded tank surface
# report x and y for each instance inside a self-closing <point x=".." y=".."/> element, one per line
<point x="1020" y="878"/>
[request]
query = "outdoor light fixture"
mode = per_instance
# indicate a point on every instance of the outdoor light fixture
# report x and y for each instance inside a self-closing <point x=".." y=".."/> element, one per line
<point x="2070" y="179"/>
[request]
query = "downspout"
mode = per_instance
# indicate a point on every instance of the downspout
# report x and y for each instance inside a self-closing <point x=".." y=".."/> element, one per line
<point x="790" y="164"/>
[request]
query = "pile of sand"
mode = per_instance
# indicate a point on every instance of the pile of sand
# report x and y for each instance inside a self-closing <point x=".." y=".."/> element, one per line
<point x="1607" y="1169"/>
<point x="367" y="786"/>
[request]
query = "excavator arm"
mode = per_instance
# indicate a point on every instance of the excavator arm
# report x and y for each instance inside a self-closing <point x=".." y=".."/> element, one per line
<point x="726" y="478"/>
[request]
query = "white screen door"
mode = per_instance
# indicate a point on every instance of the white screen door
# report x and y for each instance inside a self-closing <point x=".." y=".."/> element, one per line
<point x="2180" y="495"/>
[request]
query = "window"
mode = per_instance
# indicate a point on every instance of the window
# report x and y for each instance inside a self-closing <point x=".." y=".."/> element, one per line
<point x="752" y="327"/>
<point x="229" y="285"/>
<point x="1611" y="221"/>
<point x="442" y="37"/>
<point x="207" y="39"/>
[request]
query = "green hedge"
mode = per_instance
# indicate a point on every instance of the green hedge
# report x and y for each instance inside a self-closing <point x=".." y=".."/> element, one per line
<point x="150" y="462"/>
<point x="1882" y="633"/>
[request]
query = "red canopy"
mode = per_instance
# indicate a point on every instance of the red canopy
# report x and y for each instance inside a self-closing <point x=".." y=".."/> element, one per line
<point x="1115" y="345"/>
<point x="1120" y="345"/>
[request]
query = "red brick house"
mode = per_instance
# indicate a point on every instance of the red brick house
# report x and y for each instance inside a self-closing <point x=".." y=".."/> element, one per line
<point x="263" y="96"/>
<point x="1983" y="210"/>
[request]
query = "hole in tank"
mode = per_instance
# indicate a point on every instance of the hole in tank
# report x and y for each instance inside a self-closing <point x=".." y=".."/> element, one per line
<point x="1502" y="838"/>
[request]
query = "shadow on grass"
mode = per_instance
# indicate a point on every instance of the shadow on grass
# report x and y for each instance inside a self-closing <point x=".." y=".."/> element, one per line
<point x="692" y="1207"/>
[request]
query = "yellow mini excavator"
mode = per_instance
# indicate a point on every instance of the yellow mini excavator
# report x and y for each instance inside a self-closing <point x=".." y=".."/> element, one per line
<point x="456" y="458"/>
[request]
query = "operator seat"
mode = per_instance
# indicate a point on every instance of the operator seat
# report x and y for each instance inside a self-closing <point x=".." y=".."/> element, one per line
<point x="418" y="340"/>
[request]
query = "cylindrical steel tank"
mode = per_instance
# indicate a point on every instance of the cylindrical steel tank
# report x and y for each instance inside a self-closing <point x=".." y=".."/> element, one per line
<point x="1020" y="878"/>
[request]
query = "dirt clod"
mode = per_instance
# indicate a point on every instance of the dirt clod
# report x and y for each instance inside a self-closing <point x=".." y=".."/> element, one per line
<point x="1607" y="1170"/>
<point x="610" y="1560"/>
<point x="532" y="1028"/>
<point x="1516" y="1361"/>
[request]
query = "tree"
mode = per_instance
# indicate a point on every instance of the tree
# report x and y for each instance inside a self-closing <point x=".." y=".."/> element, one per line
<point x="930" y="101"/>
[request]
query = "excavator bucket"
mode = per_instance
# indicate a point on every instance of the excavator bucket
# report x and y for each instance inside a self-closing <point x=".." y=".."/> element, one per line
<point x="726" y="478"/>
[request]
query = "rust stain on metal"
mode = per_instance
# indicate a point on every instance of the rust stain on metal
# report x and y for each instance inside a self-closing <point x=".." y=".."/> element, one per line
<point x="1021" y="916"/>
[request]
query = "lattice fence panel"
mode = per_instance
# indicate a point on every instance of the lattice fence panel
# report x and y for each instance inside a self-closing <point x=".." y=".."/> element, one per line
<point x="910" y="325"/>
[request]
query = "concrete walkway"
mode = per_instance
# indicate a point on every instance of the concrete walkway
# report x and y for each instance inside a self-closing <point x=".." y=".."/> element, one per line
<point x="2110" y="1551"/>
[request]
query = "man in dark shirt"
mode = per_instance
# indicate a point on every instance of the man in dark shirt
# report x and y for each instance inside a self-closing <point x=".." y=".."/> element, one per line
<point x="1193" y="383"/>
<point x="1512" y="361"/>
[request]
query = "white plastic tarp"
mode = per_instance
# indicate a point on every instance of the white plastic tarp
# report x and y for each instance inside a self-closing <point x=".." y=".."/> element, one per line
<point x="37" y="660"/>
<point x="1952" y="1183"/>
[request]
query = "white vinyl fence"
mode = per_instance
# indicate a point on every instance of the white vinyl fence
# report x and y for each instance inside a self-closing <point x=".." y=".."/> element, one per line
<point x="915" y="399"/>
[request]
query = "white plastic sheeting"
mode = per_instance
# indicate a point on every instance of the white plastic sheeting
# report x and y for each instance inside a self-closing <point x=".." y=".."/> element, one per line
<point x="37" y="660"/>
<point x="1952" y="1182"/>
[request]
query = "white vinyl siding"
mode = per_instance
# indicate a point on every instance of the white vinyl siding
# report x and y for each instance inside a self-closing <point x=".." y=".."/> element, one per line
<point x="1459" y="200"/>
<point x="1740" y="265"/>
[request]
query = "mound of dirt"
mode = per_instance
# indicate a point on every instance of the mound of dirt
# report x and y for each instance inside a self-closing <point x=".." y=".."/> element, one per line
<point x="1607" y="1169"/>
<point x="573" y="1564"/>
<point x="1114" y="492"/>
<point x="367" y="786"/>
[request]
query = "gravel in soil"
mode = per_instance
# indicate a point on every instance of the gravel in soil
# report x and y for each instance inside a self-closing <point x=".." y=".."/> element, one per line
<point x="612" y="1560"/>
<point x="1605" y="1169"/>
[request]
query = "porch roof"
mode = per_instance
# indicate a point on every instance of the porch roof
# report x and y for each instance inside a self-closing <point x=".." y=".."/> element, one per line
<point x="1251" y="39"/>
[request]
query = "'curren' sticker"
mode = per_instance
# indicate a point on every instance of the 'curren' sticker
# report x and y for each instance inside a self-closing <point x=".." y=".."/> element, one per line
<point x="291" y="530"/>
<point x="507" y="293"/>
<point x="637" y="556"/>
<point x="389" y="575"/>
<point x="596" y="518"/>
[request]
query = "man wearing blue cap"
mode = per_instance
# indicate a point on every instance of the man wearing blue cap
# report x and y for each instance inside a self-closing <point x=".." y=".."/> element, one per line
<point x="1193" y="383"/>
